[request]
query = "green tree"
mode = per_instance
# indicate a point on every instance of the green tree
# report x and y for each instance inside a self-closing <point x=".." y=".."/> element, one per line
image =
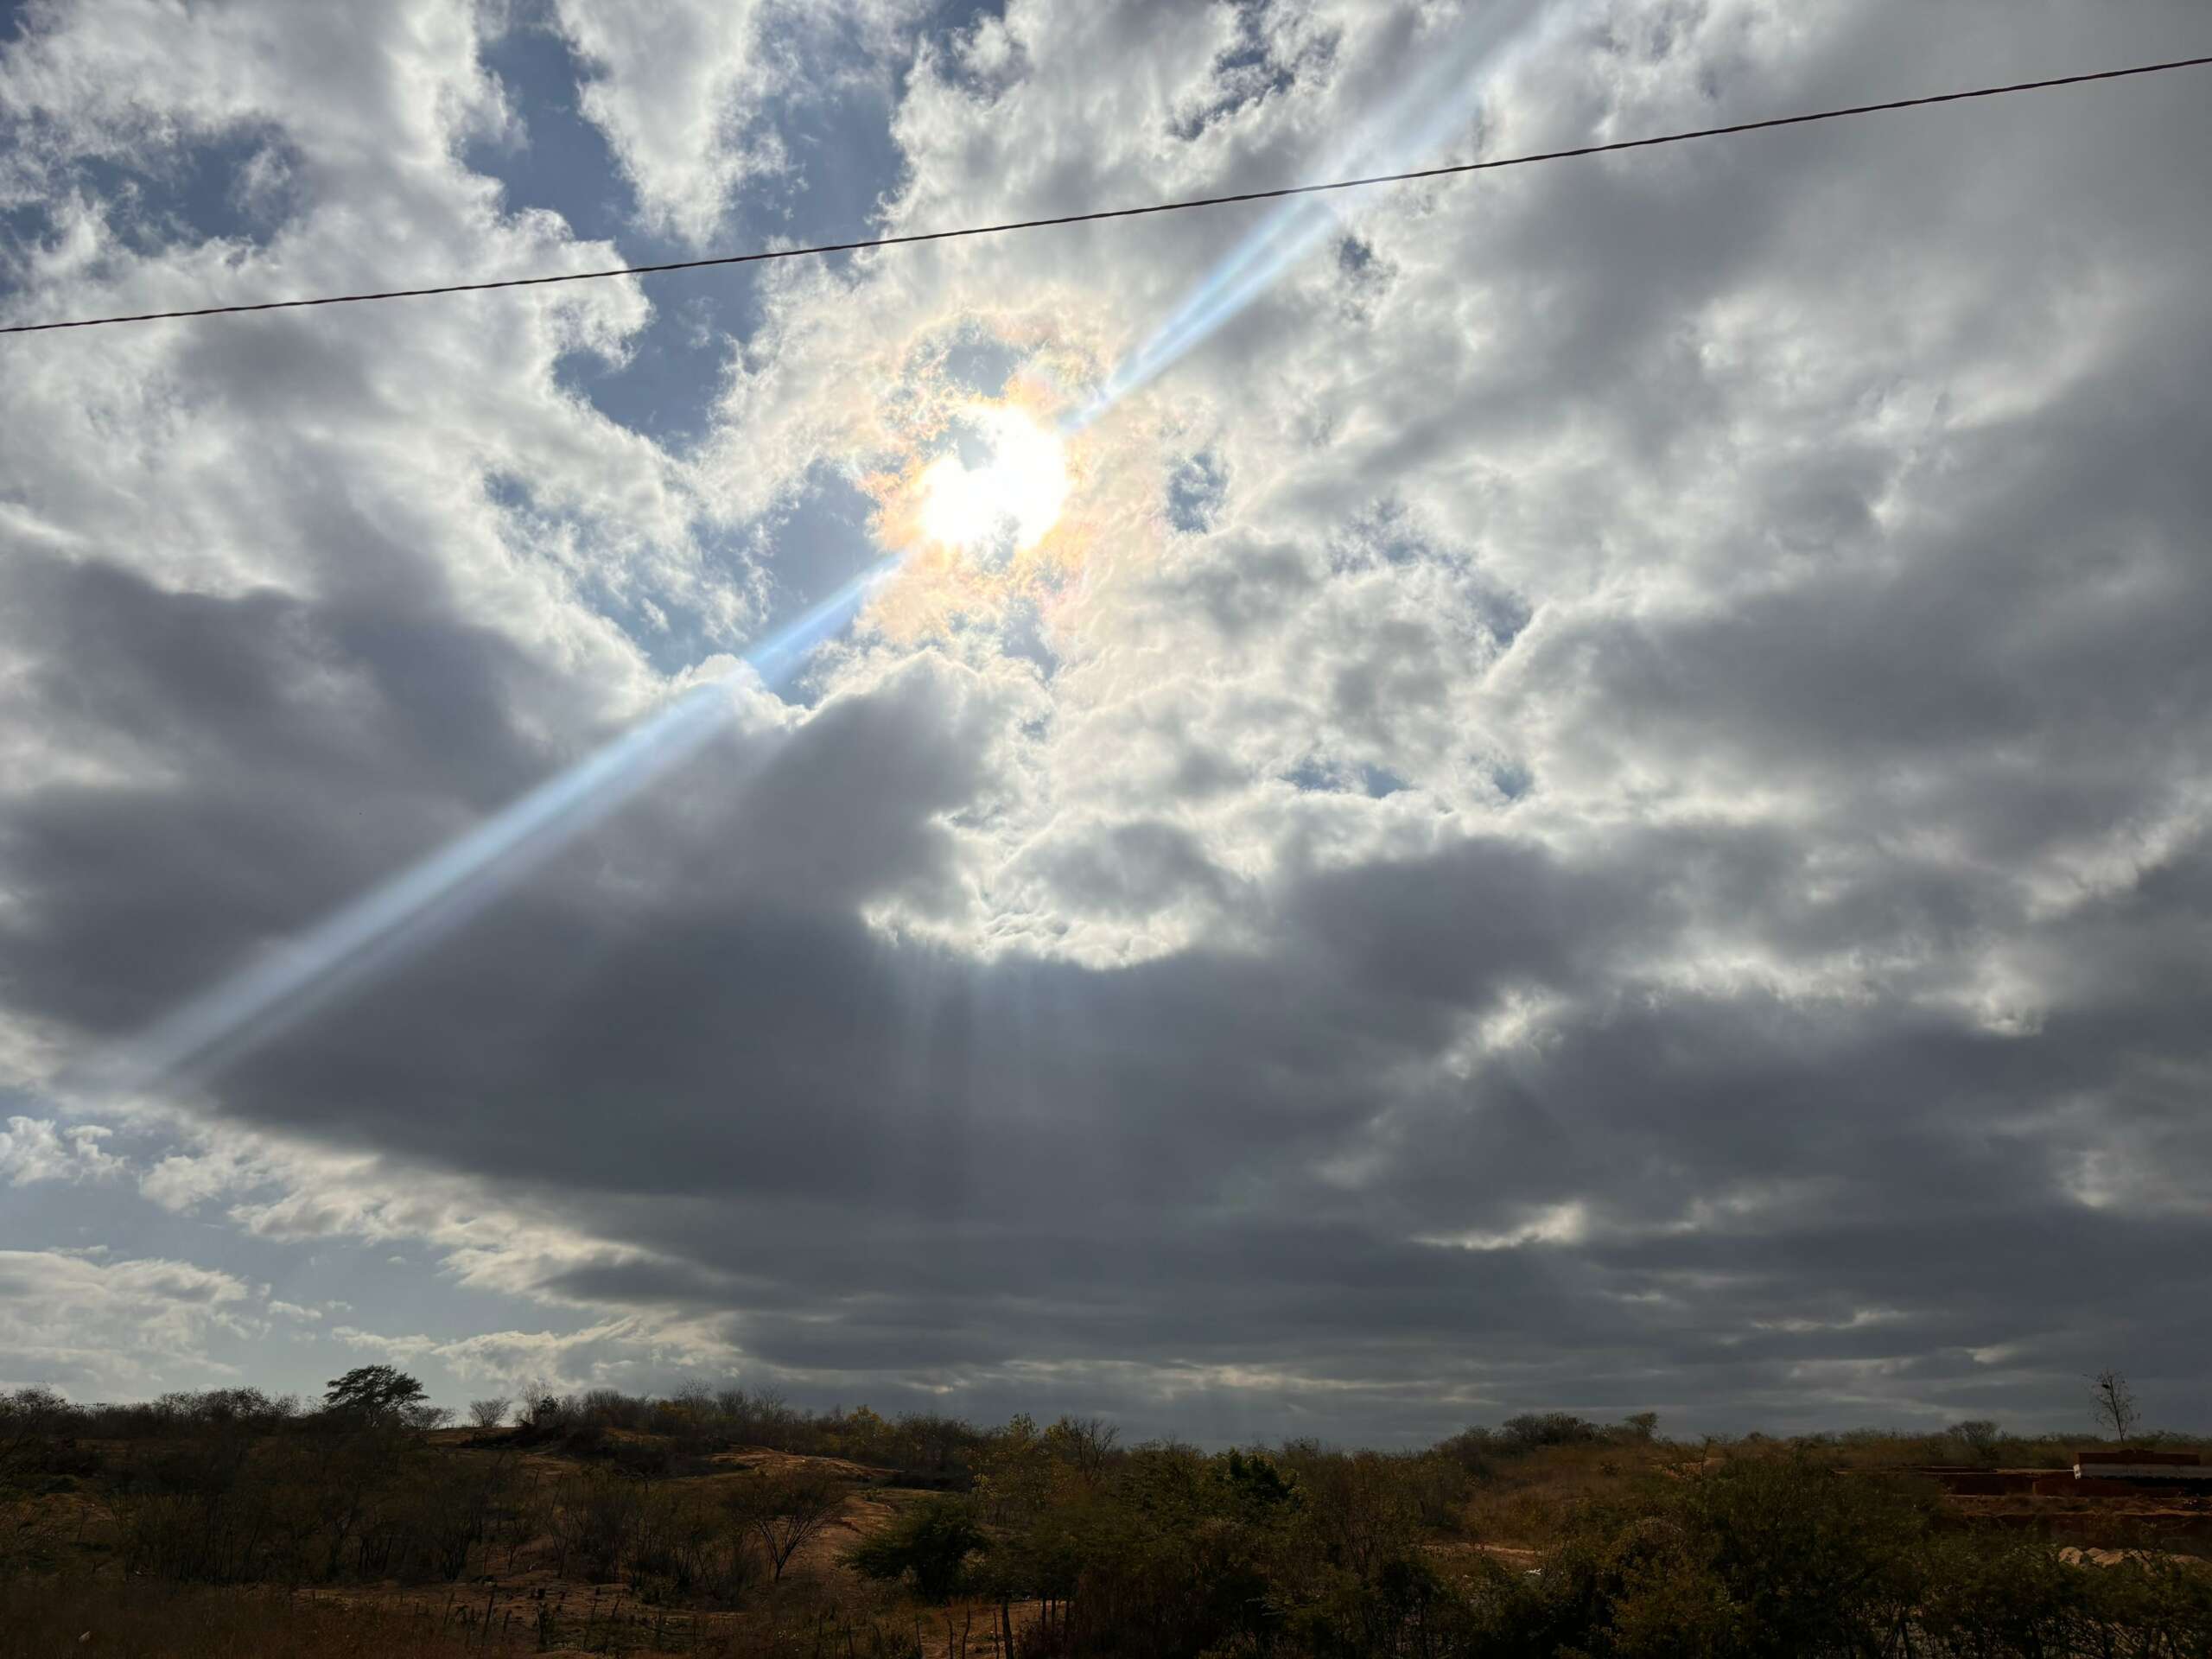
<point x="932" y="1541"/>
<point x="1980" y="1437"/>
<point x="380" y="1392"/>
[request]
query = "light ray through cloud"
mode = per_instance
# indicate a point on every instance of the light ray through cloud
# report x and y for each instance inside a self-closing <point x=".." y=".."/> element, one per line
<point x="1439" y="100"/>
<point x="423" y="903"/>
<point x="428" y="900"/>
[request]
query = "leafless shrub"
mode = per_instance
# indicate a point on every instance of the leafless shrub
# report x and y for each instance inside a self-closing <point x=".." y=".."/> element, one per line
<point x="2114" y="1402"/>
<point x="782" y="1511"/>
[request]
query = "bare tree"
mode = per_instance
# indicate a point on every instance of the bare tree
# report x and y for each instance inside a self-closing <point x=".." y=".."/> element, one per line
<point x="1084" y="1443"/>
<point x="489" y="1413"/>
<point x="542" y="1409"/>
<point x="784" y="1509"/>
<point x="2115" y="1402"/>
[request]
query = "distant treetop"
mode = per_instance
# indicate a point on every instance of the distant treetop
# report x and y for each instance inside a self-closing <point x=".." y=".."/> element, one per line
<point x="373" y="1391"/>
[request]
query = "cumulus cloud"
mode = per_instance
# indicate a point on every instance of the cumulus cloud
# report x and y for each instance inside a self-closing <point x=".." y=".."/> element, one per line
<point x="1603" y="803"/>
<point x="123" y="1328"/>
<point x="37" y="1149"/>
<point x="676" y="90"/>
<point x="683" y="92"/>
<point x="631" y="1352"/>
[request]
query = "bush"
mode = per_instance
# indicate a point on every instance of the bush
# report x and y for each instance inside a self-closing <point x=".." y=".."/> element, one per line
<point x="1532" y="1429"/>
<point x="1159" y="1550"/>
<point x="930" y="1542"/>
<point x="1474" y="1450"/>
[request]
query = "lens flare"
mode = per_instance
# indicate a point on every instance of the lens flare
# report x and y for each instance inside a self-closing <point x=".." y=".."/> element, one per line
<point x="999" y="491"/>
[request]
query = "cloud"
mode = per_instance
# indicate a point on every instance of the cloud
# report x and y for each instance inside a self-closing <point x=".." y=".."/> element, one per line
<point x="95" y="1328"/>
<point x="616" y="1353"/>
<point x="36" y="1149"/>
<point x="675" y="90"/>
<point x="683" y="92"/>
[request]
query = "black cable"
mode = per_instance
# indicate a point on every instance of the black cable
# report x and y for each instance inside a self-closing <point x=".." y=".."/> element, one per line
<point x="1128" y="212"/>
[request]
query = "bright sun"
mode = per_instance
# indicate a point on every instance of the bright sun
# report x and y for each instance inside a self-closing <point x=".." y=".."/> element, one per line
<point x="1000" y="490"/>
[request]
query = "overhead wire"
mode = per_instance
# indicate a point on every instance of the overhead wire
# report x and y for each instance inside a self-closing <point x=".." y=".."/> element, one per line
<point x="1096" y="215"/>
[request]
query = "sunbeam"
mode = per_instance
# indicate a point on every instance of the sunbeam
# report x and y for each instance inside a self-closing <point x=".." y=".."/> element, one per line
<point x="1439" y="100"/>
<point x="1004" y="502"/>
<point x="426" y="901"/>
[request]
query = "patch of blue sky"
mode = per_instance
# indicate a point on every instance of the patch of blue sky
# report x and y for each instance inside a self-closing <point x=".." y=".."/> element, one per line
<point x="1246" y="73"/>
<point x="671" y="637"/>
<point x="555" y="159"/>
<point x="804" y="550"/>
<point x="1196" y="490"/>
<point x="384" y="1295"/>
<point x="559" y="162"/>
<point x="1323" y="775"/>
<point x="231" y="186"/>
<point x="813" y="546"/>
<point x="1022" y="634"/>
<point x="1385" y="534"/>
<point x="1512" y="779"/>
<point x="950" y="21"/>
<point x="841" y="165"/>
<point x="346" y="1280"/>
<point x="80" y="1215"/>
<point x="981" y="364"/>
<point x="23" y="227"/>
<point x="832" y="124"/>
<point x="108" y="1217"/>
<point x="1377" y="782"/>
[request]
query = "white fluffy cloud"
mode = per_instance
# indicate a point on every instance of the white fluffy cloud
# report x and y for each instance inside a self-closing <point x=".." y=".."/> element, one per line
<point x="37" y="1149"/>
<point x="677" y="89"/>
<point x="682" y="90"/>
<point x="119" y="1328"/>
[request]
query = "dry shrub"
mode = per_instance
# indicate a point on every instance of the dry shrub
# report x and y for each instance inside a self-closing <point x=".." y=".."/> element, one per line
<point x="1526" y="1500"/>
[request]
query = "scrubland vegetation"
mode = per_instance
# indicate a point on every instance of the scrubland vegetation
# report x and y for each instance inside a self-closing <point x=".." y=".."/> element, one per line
<point x="727" y="1523"/>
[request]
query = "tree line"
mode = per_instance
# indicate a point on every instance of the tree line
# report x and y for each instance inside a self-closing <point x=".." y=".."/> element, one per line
<point x="1070" y="1544"/>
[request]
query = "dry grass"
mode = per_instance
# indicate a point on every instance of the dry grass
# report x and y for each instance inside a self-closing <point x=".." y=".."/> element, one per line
<point x="147" y="1619"/>
<point x="115" y="1617"/>
<point x="1527" y="1502"/>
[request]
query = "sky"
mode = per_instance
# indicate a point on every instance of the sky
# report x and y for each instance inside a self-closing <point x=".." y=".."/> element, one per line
<point x="1588" y="788"/>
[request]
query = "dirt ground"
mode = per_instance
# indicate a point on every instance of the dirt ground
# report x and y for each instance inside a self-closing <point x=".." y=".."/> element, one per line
<point x="2095" y="1523"/>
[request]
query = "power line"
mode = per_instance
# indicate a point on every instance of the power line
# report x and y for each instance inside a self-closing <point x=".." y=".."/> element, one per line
<point x="1096" y="215"/>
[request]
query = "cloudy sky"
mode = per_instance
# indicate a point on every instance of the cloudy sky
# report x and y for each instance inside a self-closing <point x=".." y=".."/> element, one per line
<point x="1590" y="788"/>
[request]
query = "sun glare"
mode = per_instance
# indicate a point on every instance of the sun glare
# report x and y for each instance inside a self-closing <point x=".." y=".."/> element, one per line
<point x="1000" y="490"/>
